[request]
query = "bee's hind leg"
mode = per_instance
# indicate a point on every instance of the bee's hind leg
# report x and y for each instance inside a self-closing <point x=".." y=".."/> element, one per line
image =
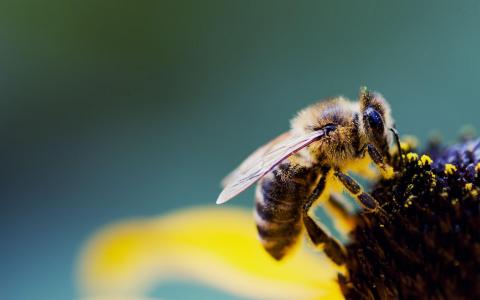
<point x="317" y="234"/>
<point x="352" y="186"/>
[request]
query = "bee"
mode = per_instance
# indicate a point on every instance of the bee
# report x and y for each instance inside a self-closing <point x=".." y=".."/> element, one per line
<point x="298" y="168"/>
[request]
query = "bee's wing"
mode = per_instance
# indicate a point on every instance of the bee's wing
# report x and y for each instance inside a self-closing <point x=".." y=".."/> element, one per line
<point x="262" y="161"/>
<point x="254" y="158"/>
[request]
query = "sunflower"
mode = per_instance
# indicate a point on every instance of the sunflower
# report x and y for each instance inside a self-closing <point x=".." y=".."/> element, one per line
<point x="424" y="243"/>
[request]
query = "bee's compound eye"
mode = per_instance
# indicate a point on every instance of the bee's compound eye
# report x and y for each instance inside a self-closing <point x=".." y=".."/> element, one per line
<point x="329" y="128"/>
<point x="374" y="119"/>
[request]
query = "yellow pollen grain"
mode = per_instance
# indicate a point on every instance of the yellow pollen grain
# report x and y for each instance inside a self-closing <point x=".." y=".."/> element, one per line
<point x="477" y="167"/>
<point x="450" y="169"/>
<point x="409" y="201"/>
<point x="426" y="160"/>
<point x="387" y="172"/>
<point x="408" y="142"/>
<point x="474" y="193"/>
<point x="468" y="186"/>
<point x="410" y="187"/>
<point x="404" y="146"/>
<point x="412" y="156"/>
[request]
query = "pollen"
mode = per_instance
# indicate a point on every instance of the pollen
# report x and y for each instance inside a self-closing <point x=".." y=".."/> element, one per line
<point x="450" y="169"/>
<point x="433" y="178"/>
<point x="404" y="146"/>
<point x="425" y="160"/>
<point x="388" y="172"/>
<point x="408" y="142"/>
<point x="468" y="186"/>
<point x="412" y="156"/>
<point x="477" y="167"/>
<point x="432" y="220"/>
<point x="409" y="201"/>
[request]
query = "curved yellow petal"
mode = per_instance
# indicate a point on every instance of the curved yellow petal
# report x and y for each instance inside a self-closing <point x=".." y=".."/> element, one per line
<point x="217" y="246"/>
<point x="116" y="297"/>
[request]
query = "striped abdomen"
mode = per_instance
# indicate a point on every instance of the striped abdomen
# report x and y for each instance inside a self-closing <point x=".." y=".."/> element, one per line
<point x="279" y="199"/>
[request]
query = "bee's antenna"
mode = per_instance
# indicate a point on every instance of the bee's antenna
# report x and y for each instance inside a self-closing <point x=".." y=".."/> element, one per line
<point x="397" y="141"/>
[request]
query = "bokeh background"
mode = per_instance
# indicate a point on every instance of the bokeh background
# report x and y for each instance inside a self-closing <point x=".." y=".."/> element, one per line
<point x="117" y="109"/>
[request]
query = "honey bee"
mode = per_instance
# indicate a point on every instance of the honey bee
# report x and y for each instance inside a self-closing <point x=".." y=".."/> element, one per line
<point x="295" y="169"/>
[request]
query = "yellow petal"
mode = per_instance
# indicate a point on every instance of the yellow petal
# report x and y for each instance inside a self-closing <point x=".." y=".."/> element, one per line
<point x="216" y="246"/>
<point x="116" y="297"/>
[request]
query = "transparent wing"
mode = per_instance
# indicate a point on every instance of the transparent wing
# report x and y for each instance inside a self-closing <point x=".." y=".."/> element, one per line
<point x="253" y="158"/>
<point x="262" y="161"/>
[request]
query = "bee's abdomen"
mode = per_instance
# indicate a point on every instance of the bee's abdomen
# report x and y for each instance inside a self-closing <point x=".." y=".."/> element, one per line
<point x="278" y="208"/>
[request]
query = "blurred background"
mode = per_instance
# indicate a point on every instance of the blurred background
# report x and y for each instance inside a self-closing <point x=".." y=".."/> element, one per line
<point x="118" y="109"/>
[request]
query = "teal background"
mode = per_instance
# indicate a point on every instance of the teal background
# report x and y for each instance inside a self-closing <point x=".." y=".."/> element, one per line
<point x="116" y="109"/>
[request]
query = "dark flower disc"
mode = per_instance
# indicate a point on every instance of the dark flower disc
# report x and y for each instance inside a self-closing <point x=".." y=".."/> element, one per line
<point x="424" y="243"/>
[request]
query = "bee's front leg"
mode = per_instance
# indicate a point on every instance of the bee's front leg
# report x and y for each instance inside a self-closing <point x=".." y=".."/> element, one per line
<point x="365" y="199"/>
<point x="386" y="169"/>
<point x="317" y="234"/>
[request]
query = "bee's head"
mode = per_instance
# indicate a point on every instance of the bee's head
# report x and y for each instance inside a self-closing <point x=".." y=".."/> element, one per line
<point x="376" y="119"/>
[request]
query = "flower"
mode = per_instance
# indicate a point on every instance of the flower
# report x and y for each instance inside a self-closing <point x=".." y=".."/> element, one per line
<point x="426" y="243"/>
<point x="214" y="245"/>
<point x="423" y="243"/>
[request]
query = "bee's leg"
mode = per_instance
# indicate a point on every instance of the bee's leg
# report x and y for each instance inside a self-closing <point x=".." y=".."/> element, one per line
<point x="317" y="191"/>
<point x="317" y="234"/>
<point x="386" y="169"/>
<point x="339" y="203"/>
<point x="365" y="199"/>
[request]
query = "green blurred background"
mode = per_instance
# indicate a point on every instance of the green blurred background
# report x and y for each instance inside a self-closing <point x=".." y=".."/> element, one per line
<point x="116" y="109"/>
